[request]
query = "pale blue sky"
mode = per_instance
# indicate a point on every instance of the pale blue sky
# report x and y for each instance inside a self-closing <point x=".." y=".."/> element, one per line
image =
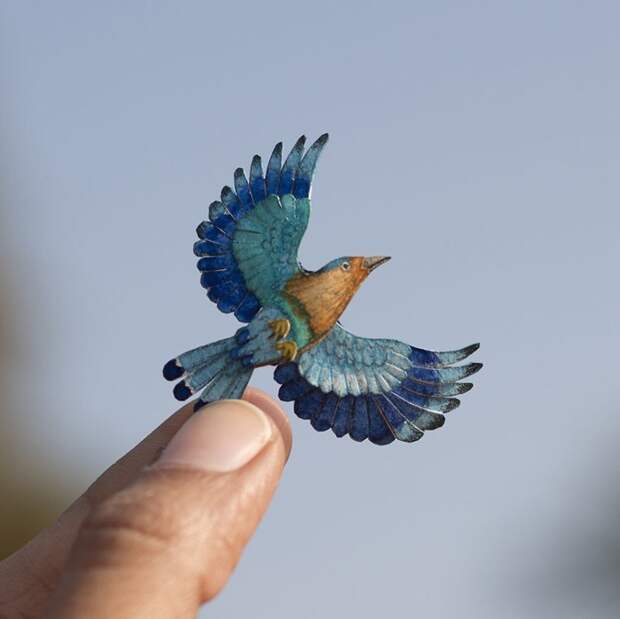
<point x="475" y="142"/>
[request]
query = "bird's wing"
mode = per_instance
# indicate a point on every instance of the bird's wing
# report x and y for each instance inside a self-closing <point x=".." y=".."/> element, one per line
<point x="374" y="388"/>
<point x="248" y="246"/>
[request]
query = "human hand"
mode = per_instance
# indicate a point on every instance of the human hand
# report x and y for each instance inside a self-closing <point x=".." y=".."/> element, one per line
<point x="159" y="533"/>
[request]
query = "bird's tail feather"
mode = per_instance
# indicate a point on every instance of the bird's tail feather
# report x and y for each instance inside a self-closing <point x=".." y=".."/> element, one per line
<point x="210" y="368"/>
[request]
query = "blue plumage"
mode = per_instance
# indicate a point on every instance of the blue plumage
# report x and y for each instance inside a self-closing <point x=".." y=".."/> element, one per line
<point x="358" y="425"/>
<point x="308" y="404"/>
<point x="287" y="175"/>
<point x="216" y="263"/>
<point x="211" y="233"/>
<point x="433" y="359"/>
<point x="231" y="202"/>
<point x="242" y="336"/>
<point x="223" y="290"/>
<point x="248" y="308"/>
<point x="323" y="417"/>
<point x="286" y="372"/>
<point x="442" y="405"/>
<point x="294" y="389"/>
<point x="225" y="224"/>
<point x="305" y="169"/>
<point x="205" y="247"/>
<point x="181" y="391"/>
<point x="340" y="425"/>
<point x="225" y="283"/>
<point x="436" y="389"/>
<point x="443" y="375"/>
<point x="379" y="432"/>
<point x="242" y="188"/>
<point x="257" y="182"/>
<point x="231" y="301"/>
<point x="209" y="369"/>
<point x="375" y="389"/>
<point x="255" y="343"/>
<point x="273" y="170"/>
<point x="172" y="370"/>
<point x="388" y="401"/>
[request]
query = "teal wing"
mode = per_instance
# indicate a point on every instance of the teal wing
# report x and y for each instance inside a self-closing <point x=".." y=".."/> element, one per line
<point x="266" y="242"/>
<point x="248" y="246"/>
<point x="374" y="388"/>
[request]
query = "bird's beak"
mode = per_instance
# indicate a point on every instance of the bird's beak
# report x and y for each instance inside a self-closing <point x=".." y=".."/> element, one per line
<point x="372" y="262"/>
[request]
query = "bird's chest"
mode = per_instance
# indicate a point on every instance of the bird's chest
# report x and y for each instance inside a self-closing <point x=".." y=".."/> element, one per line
<point x="316" y="302"/>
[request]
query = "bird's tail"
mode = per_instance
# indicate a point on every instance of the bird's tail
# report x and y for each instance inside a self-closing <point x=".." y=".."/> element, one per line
<point x="210" y="368"/>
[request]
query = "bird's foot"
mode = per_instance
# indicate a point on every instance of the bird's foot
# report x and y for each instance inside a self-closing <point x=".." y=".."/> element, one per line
<point x="287" y="349"/>
<point x="280" y="328"/>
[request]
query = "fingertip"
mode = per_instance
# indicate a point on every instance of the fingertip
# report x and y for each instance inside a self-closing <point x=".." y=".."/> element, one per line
<point x="271" y="408"/>
<point x="222" y="437"/>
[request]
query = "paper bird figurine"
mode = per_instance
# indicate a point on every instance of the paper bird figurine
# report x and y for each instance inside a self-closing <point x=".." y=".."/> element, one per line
<point x="368" y="388"/>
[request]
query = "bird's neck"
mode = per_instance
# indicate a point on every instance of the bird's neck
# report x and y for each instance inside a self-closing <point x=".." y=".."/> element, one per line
<point x="318" y="298"/>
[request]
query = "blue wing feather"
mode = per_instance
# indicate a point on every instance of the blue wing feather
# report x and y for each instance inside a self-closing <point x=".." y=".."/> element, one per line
<point x="340" y="425"/>
<point x="208" y="248"/>
<point x="215" y="263"/>
<point x="294" y="389"/>
<point x="358" y="424"/>
<point x="216" y="209"/>
<point x="373" y="389"/>
<point x="242" y="188"/>
<point x="286" y="372"/>
<point x="305" y="170"/>
<point x="436" y="389"/>
<point x="248" y="308"/>
<point x="323" y="418"/>
<point x="231" y="202"/>
<point x="400" y="426"/>
<point x="273" y="170"/>
<point x="422" y="418"/>
<point x="215" y="235"/>
<point x="214" y="278"/>
<point x="434" y="359"/>
<point x="231" y="301"/>
<point x="287" y="175"/>
<point x="257" y="181"/>
<point x="248" y="246"/>
<point x="308" y="404"/>
<point x="378" y="429"/>
<point x="222" y="290"/>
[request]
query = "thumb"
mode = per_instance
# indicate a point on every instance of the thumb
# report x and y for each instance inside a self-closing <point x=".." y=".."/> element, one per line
<point x="168" y="542"/>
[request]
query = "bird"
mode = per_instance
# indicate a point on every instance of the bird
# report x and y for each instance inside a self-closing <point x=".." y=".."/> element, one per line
<point x="376" y="389"/>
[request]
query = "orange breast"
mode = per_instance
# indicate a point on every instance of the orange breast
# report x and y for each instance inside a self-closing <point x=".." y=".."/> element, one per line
<point x="321" y="297"/>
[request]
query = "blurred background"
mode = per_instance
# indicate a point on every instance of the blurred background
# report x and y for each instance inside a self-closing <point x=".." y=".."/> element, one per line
<point x="475" y="142"/>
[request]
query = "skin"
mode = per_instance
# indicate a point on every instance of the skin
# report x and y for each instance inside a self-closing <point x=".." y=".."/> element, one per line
<point x="106" y="556"/>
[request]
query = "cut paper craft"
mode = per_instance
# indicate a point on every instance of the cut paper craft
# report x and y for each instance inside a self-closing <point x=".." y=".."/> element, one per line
<point x="376" y="389"/>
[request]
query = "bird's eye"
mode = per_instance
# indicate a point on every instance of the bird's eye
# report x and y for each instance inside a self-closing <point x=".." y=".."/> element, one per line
<point x="345" y="266"/>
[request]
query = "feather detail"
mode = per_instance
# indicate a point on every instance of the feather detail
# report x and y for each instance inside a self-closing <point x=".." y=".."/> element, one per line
<point x="370" y="389"/>
<point x="256" y="229"/>
<point x="376" y="389"/>
<point x="273" y="170"/>
<point x="305" y="170"/>
<point x="257" y="181"/>
<point x="287" y="175"/>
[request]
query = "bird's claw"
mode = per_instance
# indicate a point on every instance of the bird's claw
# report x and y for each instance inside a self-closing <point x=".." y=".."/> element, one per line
<point x="287" y="349"/>
<point x="280" y="328"/>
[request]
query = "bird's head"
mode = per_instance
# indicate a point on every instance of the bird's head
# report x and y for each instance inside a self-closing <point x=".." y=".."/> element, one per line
<point x="349" y="272"/>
